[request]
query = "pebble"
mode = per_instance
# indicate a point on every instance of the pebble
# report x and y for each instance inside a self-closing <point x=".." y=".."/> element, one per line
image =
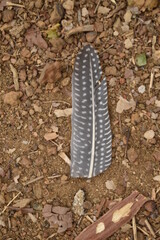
<point x="57" y="44"/>
<point x="103" y="10"/>
<point x="112" y="82"/>
<point x="135" y="118"/>
<point x="127" y="16"/>
<point x="150" y="206"/>
<point x="111" y="71"/>
<point x="39" y="4"/>
<point x="68" y="4"/>
<point x="65" y="82"/>
<point x="7" y="15"/>
<point x="120" y="190"/>
<point x="91" y="36"/>
<point x="57" y="14"/>
<point x="132" y="155"/>
<point x="78" y="203"/>
<point x="37" y="108"/>
<point x="149" y="134"/>
<point x="110" y="185"/>
<point x="84" y="12"/>
<point x="22" y="75"/>
<point x="156" y="155"/>
<point x="37" y="190"/>
<point x="52" y="150"/>
<point x="128" y="43"/>
<point x="12" y="98"/>
<point x="141" y="89"/>
<point x="29" y="91"/>
<point x="87" y="205"/>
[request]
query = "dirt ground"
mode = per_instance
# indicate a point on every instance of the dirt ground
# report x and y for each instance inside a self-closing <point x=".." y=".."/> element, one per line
<point x="30" y="94"/>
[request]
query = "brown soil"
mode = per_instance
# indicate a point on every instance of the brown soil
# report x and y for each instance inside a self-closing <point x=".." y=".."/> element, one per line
<point x="23" y="149"/>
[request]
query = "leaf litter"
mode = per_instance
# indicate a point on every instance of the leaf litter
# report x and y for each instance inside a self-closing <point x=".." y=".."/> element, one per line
<point x="123" y="104"/>
<point x="33" y="37"/>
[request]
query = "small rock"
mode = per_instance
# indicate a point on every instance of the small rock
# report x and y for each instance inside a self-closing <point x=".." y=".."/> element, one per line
<point x="64" y="178"/>
<point x="29" y="91"/>
<point x="140" y="236"/>
<point x="57" y="44"/>
<point x="149" y="134"/>
<point x="50" y="136"/>
<point x="68" y="4"/>
<point x="128" y="43"/>
<point x="25" y="53"/>
<point x="98" y="27"/>
<point x="57" y="13"/>
<point x="7" y="15"/>
<point x="127" y="16"/>
<point x="39" y="4"/>
<point x="128" y="73"/>
<point x="2" y="199"/>
<point x="111" y="71"/>
<point x="91" y="36"/>
<point x="22" y="75"/>
<point x="84" y="12"/>
<point x="12" y="98"/>
<point x="40" y="24"/>
<point x="120" y="190"/>
<point x="141" y="89"/>
<point x="37" y="108"/>
<point x="112" y="82"/>
<point x="51" y="73"/>
<point x="132" y="155"/>
<point x="37" y="190"/>
<point x="110" y="185"/>
<point x="2" y="172"/>
<point x="87" y="205"/>
<point x="150" y="206"/>
<point x="122" y="81"/>
<point x="65" y="82"/>
<point x="6" y="57"/>
<point x="25" y="162"/>
<point x="154" y="115"/>
<point x="157" y="103"/>
<point x="67" y="25"/>
<point x="156" y="155"/>
<point x="103" y="10"/>
<point x="78" y="203"/>
<point x="135" y="118"/>
<point x="52" y="151"/>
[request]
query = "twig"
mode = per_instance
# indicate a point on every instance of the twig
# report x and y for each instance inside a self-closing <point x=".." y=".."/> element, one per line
<point x="120" y="123"/>
<point x="80" y="29"/>
<point x="55" y="176"/>
<point x="51" y="236"/>
<point x="33" y="180"/>
<point x="89" y="219"/>
<point x="65" y="158"/>
<point x="23" y="210"/>
<point x="151" y="81"/>
<point x="10" y="4"/>
<point x="126" y="148"/>
<point x="150" y="228"/>
<point x="10" y="203"/>
<point x="134" y="228"/>
<point x="100" y="207"/>
<point x="97" y="6"/>
<point x="117" y="9"/>
<point x="15" y="77"/>
<point x="79" y="17"/>
<point x="143" y="231"/>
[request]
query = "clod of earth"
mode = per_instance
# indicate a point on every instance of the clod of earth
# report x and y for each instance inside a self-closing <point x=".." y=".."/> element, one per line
<point x="12" y="98"/>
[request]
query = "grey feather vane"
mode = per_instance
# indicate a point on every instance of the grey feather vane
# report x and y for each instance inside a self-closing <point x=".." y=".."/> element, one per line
<point x="91" y="143"/>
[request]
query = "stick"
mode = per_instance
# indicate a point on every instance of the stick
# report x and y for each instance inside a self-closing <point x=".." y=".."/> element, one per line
<point x="143" y="231"/>
<point x="97" y="6"/>
<point x="23" y="210"/>
<point x="10" y="203"/>
<point x="134" y="228"/>
<point x="117" y="9"/>
<point x="150" y="228"/>
<point x="14" y="5"/>
<point x="33" y="180"/>
<point x="151" y="81"/>
<point x="15" y="77"/>
<point x="115" y="218"/>
<point x="80" y="29"/>
<point x="100" y="207"/>
<point x="51" y="236"/>
<point x="65" y="158"/>
<point x="89" y="219"/>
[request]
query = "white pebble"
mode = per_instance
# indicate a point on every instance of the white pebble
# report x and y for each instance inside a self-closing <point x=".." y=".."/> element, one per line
<point x="141" y="89"/>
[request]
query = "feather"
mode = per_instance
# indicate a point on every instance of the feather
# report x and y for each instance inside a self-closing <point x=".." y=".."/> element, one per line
<point x="91" y="142"/>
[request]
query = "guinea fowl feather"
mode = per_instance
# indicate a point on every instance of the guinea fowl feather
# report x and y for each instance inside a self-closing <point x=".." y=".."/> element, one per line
<point x="91" y="142"/>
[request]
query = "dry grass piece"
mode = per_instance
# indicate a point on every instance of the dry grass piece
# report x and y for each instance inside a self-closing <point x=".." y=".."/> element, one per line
<point x="80" y="29"/>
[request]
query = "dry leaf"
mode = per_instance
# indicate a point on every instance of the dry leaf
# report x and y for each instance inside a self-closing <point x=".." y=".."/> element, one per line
<point x="123" y="104"/>
<point x="63" y="113"/>
<point x="2" y="172"/>
<point x="22" y="202"/>
<point x="34" y="37"/>
<point x="32" y="217"/>
<point x="2" y="223"/>
<point x="15" y="77"/>
<point x="50" y="136"/>
<point x="157" y="103"/>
